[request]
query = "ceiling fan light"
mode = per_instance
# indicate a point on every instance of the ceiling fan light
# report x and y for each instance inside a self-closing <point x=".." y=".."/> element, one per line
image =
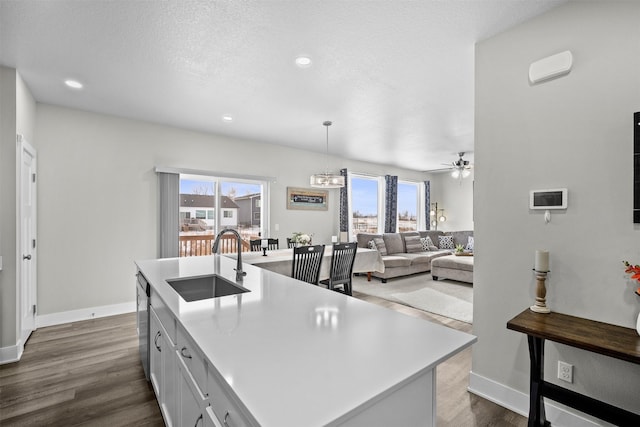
<point x="466" y="173"/>
<point x="455" y="173"/>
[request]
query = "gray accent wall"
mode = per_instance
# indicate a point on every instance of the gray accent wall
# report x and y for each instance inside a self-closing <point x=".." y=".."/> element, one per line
<point x="573" y="132"/>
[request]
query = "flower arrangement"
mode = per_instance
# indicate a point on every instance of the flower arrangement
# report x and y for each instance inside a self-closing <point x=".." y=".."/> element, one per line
<point x="301" y="238"/>
<point x="634" y="270"/>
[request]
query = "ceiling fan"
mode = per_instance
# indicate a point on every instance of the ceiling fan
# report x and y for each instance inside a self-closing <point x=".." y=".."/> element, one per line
<point x="460" y="168"/>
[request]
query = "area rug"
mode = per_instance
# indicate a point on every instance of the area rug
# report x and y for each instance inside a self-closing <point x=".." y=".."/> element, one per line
<point x="444" y="297"/>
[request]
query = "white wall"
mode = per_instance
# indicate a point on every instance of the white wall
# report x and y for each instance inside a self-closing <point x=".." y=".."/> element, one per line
<point x="98" y="197"/>
<point x="574" y="132"/>
<point x="456" y="198"/>
<point x="8" y="206"/>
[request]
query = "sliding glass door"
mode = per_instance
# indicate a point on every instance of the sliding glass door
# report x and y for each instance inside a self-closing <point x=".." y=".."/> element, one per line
<point x="210" y="204"/>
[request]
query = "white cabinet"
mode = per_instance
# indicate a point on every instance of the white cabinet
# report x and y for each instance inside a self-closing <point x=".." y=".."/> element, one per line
<point x="163" y="368"/>
<point x="192" y="380"/>
<point x="226" y="407"/>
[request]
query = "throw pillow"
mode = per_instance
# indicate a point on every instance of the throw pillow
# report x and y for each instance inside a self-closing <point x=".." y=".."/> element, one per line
<point x="380" y="246"/>
<point x="413" y="244"/>
<point x="470" y="244"/>
<point x="372" y="244"/>
<point x="446" y="242"/>
<point x="426" y="243"/>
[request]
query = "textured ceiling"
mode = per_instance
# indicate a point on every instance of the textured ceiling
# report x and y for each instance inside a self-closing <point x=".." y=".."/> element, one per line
<point x="395" y="77"/>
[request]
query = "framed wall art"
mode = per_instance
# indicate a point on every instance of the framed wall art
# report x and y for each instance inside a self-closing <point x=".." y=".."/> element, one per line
<point x="307" y="199"/>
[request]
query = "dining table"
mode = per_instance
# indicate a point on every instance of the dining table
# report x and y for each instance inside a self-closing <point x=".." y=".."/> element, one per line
<point x="280" y="260"/>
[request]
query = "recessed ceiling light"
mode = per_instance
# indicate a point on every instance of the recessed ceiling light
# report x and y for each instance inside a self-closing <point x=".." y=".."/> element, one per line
<point x="303" y="61"/>
<point x="227" y="118"/>
<point x="73" y="84"/>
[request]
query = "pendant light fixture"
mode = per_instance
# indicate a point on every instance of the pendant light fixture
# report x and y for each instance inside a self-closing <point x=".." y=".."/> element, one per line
<point x="327" y="179"/>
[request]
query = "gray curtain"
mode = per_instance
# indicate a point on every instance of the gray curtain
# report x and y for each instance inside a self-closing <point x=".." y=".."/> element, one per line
<point x="390" y="203"/>
<point x="169" y="197"/>
<point x="427" y="203"/>
<point x="344" y="203"/>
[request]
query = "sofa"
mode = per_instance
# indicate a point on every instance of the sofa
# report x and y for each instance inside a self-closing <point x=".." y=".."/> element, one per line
<point x="459" y="268"/>
<point x="407" y="253"/>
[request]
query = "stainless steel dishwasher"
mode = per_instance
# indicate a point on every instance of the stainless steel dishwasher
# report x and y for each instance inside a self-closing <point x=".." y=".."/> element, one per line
<point x="143" y="292"/>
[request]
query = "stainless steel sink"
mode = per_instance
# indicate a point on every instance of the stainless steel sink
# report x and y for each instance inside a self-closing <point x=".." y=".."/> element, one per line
<point x="203" y="287"/>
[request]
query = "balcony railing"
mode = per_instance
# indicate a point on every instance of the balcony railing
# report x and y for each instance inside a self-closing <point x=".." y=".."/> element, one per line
<point x="201" y="244"/>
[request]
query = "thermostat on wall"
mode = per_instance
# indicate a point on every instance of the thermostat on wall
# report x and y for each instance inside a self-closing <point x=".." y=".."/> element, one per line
<point x="548" y="199"/>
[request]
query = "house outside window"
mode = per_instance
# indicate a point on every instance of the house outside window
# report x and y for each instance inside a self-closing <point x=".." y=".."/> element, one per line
<point x="200" y="221"/>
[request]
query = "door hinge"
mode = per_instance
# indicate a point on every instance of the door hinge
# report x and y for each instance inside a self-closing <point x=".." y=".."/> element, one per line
<point x="34" y="309"/>
<point x="33" y="177"/>
<point x="33" y="243"/>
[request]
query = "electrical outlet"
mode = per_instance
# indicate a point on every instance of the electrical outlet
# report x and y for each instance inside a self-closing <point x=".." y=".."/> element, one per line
<point x="565" y="371"/>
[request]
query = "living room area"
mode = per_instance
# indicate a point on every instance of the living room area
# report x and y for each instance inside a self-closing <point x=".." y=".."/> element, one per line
<point x="573" y="131"/>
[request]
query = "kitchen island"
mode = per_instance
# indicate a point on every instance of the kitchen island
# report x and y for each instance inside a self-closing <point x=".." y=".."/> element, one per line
<point x="286" y="353"/>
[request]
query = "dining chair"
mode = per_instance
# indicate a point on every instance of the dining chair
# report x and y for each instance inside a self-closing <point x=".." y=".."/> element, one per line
<point x="256" y="245"/>
<point x="290" y="243"/>
<point x="341" y="272"/>
<point x="272" y="244"/>
<point x="306" y="263"/>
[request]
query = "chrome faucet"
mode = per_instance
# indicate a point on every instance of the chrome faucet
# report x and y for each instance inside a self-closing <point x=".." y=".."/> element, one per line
<point x="239" y="273"/>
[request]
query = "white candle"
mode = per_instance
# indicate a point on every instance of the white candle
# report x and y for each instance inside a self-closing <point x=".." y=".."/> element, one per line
<point x="542" y="261"/>
<point x="334" y="239"/>
<point x="264" y="243"/>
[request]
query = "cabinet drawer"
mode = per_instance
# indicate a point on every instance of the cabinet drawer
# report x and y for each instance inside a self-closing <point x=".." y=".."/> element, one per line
<point x="193" y="359"/>
<point x="165" y="316"/>
<point x="225" y="404"/>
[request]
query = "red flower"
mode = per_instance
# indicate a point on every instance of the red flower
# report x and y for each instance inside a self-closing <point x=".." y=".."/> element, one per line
<point x="634" y="270"/>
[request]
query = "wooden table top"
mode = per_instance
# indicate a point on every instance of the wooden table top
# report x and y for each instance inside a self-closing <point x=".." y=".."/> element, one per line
<point x="603" y="338"/>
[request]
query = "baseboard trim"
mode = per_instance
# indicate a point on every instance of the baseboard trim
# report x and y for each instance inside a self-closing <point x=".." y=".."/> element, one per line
<point x="84" y="314"/>
<point x="11" y="354"/>
<point x="518" y="402"/>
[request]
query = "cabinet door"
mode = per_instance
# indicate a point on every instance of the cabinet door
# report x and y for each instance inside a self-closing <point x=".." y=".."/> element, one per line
<point x="190" y="401"/>
<point x="169" y="375"/>
<point x="210" y="419"/>
<point x="155" y="362"/>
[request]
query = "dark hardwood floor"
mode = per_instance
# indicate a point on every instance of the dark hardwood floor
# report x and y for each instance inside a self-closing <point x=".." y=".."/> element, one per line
<point x="88" y="373"/>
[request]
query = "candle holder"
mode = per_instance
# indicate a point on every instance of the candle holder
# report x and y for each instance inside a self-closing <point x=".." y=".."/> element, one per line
<point x="541" y="293"/>
<point x="264" y="251"/>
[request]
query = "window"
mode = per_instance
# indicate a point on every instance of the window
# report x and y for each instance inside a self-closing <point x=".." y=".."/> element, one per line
<point x="365" y="205"/>
<point x="239" y="200"/>
<point x="408" y="206"/>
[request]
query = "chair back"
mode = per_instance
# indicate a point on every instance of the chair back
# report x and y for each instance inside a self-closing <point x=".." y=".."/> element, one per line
<point x="273" y="244"/>
<point x="290" y="243"/>
<point x="256" y="245"/>
<point x="306" y="263"/>
<point x="342" y="259"/>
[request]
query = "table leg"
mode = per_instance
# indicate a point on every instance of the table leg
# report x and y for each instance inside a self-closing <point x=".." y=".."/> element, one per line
<point x="537" y="416"/>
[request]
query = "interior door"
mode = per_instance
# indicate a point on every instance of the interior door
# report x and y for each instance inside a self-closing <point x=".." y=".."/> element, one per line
<point x="27" y="240"/>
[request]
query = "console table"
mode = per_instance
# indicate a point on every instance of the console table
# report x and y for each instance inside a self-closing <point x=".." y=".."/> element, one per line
<point x="603" y="338"/>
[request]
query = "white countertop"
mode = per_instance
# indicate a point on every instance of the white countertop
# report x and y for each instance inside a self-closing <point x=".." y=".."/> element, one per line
<point x="280" y="260"/>
<point x="297" y="354"/>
